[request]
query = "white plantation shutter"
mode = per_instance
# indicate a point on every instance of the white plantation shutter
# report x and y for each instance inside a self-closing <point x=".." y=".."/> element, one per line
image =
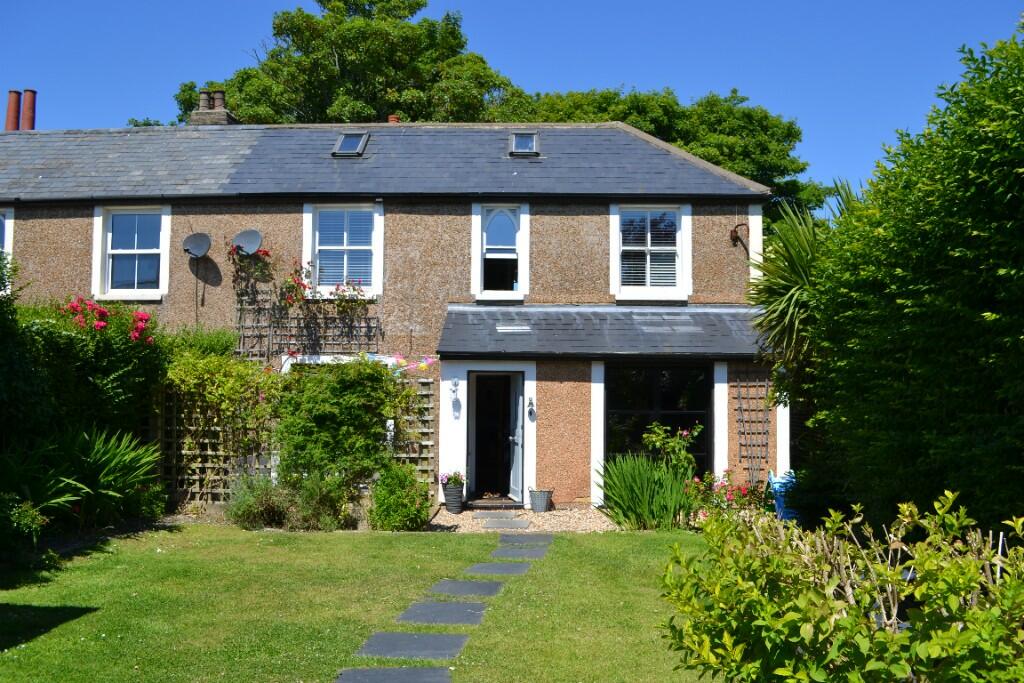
<point x="344" y="247"/>
<point x="648" y="255"/>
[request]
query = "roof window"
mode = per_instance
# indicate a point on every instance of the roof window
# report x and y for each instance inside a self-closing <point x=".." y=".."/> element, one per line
<point x="523" y="143"/>
<point x="351" y="144"/>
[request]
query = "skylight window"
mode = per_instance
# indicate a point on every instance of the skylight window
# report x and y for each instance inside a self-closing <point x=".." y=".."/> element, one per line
<point x="524" y="143"/>
<point x="351" y="144"/>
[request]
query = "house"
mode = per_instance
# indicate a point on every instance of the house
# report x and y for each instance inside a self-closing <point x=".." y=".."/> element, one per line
<point x="576" y="282"/>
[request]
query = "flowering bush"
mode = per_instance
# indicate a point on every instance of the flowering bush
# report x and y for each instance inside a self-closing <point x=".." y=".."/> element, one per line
<point x="249" y="271"/>
<point x="348" y="300"/>
<point x="674" y="448"/>
<point x="718" y="494"/>
<point x="452" y="479"/>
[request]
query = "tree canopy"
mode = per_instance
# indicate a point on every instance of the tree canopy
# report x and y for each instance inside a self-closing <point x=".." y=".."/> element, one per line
<point x="361" y="60"/>
<point x="914" y="358"/>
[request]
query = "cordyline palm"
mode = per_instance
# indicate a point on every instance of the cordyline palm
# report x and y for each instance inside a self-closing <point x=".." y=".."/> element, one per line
<point x="783" y="292"/>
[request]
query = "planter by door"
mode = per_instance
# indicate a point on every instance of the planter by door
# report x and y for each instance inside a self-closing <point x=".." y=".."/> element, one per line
<point x="540" y="501"/>
<point x="453" y="499"/>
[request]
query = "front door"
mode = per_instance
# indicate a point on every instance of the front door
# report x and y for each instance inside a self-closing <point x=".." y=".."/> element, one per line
<point x="496" y="436"/>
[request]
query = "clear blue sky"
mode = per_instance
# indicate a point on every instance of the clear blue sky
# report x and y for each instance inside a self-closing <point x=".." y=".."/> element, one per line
<point x="850" y="74"/>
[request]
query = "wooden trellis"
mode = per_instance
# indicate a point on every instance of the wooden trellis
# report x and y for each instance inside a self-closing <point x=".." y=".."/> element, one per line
<point x="267" y="330"/>
<point x="753" y="424"/>
<point x="195" y="467"/>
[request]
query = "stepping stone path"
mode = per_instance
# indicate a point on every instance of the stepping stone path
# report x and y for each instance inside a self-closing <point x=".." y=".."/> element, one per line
<point x="522" y="552"/>
<point x="506" y="524"/>
<point x="446" y="646"/>
<point x="444" y="613"/>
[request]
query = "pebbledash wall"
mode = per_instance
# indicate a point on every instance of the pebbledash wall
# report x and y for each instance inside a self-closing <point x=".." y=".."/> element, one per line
<point x="427" y="265"/>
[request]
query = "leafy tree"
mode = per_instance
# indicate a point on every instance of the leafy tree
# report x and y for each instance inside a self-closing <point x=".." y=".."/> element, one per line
<point x="722" y="129"/>
<point x="916" y="357"/>
<point x="361" y="61"/>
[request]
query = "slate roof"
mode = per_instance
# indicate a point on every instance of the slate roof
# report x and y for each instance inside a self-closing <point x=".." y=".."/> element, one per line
<point x="608" y="160"/>
<point x="550" y="331"/>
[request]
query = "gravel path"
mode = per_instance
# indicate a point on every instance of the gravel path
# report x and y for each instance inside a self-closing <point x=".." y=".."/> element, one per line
<point x="579" y="520"/>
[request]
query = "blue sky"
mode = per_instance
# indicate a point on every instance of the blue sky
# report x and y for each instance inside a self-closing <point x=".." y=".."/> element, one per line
<point x="849" y="73"/>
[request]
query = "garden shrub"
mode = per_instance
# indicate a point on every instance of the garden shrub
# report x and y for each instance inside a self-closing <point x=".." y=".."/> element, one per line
<point x="203" y="341"/>
<point x="340" y="421"/>
<point x="933" y="599"/>
<point x="400" y="501"/>
<point x="21" y="524"/>
<point x="256" y="503"/>
<point x="318" y="503"/>
<point x="93" y="365"/>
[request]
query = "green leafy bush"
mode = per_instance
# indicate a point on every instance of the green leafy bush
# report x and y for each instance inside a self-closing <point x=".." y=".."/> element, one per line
<point x="400" y="502"/>
<point x="256" y="503"/>
<point x="206" y="342"/>
<point x="933" y="599"/>
<point x="21" y="523"/>
<point x="643" y="493"/>
<point x="318" y="503"/>
<point x="340" y="421"/>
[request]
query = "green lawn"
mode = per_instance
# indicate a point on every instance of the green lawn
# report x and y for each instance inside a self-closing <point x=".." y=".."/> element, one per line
<point x="208" y="603"/>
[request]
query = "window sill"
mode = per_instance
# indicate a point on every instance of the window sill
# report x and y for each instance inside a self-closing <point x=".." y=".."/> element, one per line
<point x="326" y="293"/>
<point x="129" y="295"/>
<point x="651" y="294"/>
<point x="501" y="296"/>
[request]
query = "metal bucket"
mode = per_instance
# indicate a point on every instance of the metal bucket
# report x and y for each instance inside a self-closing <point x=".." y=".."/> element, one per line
<point x="540" y="501"/>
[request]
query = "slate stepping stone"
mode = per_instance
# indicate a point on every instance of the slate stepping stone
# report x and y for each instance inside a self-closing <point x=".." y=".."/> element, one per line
<point x="506" y="523"/>
<point x="494" y="514"/>
<point x="520" y="552"/>
<point x="525" y="539"/>
<point x="466" y="588"/>
<point x="444" y="613"/>
<point x="414" y="645"/>
<point x="411" y="675"/>
<point x="499" y="568"/>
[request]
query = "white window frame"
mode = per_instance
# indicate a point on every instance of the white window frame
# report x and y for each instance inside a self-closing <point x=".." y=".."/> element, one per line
<point x="684" y="255"/>
<point x="7" y="213"/>
<point x="522" y="253"/>
<point x="101" y="261"/>
<point x="310" y="212"/>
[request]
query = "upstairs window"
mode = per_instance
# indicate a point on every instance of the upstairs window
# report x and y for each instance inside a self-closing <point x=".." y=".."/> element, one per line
<point x="500" y="251"/>
<point x="651" y="253"/>
<point x="344" y="245"/>
<point x="130" y="253"/>
<point x="523" y="143"/>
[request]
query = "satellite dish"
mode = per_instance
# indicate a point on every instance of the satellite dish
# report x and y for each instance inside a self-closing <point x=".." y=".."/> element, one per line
<point x="196" y="245"/>
<point x="247" y="242"/>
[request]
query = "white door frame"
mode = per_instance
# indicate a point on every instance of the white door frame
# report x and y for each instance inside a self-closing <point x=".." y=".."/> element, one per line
<point x="453" y="426"/>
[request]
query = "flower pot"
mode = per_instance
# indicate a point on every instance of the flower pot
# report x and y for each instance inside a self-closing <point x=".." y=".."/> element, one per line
<point x="540" y="501"/>
<point x="453" y="499"/>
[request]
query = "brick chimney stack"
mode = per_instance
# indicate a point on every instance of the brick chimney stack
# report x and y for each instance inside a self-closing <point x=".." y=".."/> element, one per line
<point x="211" y="111"/>
<point x="13" y="110"/>
<point x="28" y="110"/>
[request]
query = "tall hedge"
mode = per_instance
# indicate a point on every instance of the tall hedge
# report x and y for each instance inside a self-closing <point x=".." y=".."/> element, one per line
<point x="917" y="362"/>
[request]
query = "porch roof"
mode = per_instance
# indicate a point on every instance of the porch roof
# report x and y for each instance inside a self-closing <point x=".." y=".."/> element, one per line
<point x="561" y="331"/>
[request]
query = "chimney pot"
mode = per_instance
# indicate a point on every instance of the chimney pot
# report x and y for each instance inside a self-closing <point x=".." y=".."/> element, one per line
<point x="204" y="100"/>
<point x="394" y="118"/>
<point x="28" y="110"/>
<point x="218" y="99"/>
<point x="13" y="109"/>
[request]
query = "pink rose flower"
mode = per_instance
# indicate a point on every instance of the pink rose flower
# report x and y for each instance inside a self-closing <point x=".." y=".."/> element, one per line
<point x="99" y="325"/>
<point x="149" y="340"/>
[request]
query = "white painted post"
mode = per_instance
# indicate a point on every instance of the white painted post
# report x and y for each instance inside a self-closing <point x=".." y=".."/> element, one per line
<point x="721" y="418"/>
<point x="596" y="431"/>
